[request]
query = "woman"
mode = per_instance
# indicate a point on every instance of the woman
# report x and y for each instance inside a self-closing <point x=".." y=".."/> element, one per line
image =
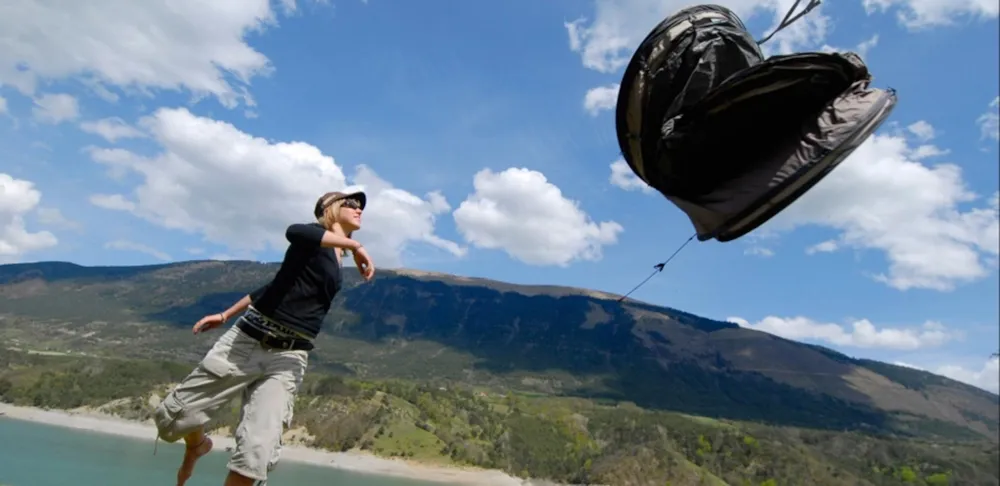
<point x="263" y="356"/>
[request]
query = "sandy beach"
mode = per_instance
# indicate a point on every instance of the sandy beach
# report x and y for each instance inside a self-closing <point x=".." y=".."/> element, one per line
<point x="351" y="461"/>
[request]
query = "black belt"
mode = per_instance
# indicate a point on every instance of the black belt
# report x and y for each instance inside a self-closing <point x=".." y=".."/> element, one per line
<point x="272" y="341"/>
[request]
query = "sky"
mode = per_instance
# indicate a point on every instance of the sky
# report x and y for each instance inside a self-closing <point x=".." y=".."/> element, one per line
<point x="483" y="133"/>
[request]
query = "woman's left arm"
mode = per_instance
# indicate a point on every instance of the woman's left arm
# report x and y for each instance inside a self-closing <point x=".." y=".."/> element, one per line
<point x="236" y="308"/>
<point x="213" y="321"/>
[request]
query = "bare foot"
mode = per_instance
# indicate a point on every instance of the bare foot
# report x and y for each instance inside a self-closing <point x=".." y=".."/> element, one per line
<point x="191" y="456"/>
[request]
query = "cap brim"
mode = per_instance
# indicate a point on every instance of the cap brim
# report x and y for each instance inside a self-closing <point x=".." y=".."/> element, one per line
<point x="360" y="196"/>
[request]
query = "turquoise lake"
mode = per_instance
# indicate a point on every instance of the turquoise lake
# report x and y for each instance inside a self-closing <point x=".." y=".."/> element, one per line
<point x="35" y="454"/>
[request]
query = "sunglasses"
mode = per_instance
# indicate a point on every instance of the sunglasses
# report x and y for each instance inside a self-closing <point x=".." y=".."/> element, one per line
<point x="351" y="204"/>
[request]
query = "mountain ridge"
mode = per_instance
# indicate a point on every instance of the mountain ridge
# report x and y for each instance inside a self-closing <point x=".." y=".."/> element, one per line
<point x="63" y="268"/>
<point x="546" y="339"/>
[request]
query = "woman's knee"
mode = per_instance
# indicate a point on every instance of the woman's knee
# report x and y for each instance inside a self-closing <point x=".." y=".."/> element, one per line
<point x="174" y="419"/>
<point x="168" y="416"/>
<point x="191" y="404"/>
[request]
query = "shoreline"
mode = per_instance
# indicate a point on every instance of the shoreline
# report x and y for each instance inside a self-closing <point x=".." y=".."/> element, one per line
<point x="358" y="462"/>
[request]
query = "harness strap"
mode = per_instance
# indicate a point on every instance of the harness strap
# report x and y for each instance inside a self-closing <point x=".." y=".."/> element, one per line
<point x="271" y="340"/>
<point x="272" y="326"/>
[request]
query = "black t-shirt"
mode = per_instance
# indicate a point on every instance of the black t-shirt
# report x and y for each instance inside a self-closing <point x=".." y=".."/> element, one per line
<point x="300" y="294"/>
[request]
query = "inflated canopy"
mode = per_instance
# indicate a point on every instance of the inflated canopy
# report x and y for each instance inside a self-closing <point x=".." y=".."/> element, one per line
<point x="732" y="138"/>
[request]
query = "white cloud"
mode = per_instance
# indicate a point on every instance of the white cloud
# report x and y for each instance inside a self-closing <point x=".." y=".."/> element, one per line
<point x="867" y="45"/>
<point x="241" y="191"/>
<point x="827" y="246"/>
<point x="55" y="108"/>
<point x="861" y="49"/>
<point x="923" y="130"/>
<point x="522" y="213"/>
<point x="861" y="333"/>
<point x="927" y="151"/>
<point x="601" y="98"/>
<point x="918" y="14"/>
<point x="759" y="251"/>
<point x="623" y="177"/>
<point x="986" y="377"/>
<point x="55" y="217"/>
<point x="400" y="218"/>
<point x="17" y="198"/>
<point x="989" y="122"/>
<point x="882" y="198"/>
<point x="111" y="129"/>
<point x="125" y="245"/>
<point x="117" y="161"/>
<point x="3" y="105"/>
<point x="112" y="201"/>
<point x="136" y="46"/>
<point x="100" y="90"/>
<point x="227" y="257"/>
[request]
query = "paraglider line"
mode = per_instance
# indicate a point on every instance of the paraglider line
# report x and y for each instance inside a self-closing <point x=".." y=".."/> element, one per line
<point x="658" y="268"/>
<point x="789" y="20"/>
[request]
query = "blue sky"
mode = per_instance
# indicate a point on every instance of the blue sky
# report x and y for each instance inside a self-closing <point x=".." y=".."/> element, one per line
<point x="136" y="133"/>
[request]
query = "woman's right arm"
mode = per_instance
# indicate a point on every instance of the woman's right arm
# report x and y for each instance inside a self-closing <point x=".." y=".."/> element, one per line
<point x="304" y="234"/>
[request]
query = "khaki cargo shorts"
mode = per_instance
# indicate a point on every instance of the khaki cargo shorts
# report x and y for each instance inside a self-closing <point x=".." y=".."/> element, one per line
<point x="267" y="380"/>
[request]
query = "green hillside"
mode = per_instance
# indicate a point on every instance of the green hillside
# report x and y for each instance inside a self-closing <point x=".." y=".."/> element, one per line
<point x="564" y="439"/>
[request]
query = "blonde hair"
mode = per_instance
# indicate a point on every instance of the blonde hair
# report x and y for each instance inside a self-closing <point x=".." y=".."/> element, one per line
<point x="330" y="217"/>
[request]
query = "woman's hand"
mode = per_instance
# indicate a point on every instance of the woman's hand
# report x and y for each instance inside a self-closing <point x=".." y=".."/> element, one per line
<point x="364" y="263"/>
<point x="208" y="323"/>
